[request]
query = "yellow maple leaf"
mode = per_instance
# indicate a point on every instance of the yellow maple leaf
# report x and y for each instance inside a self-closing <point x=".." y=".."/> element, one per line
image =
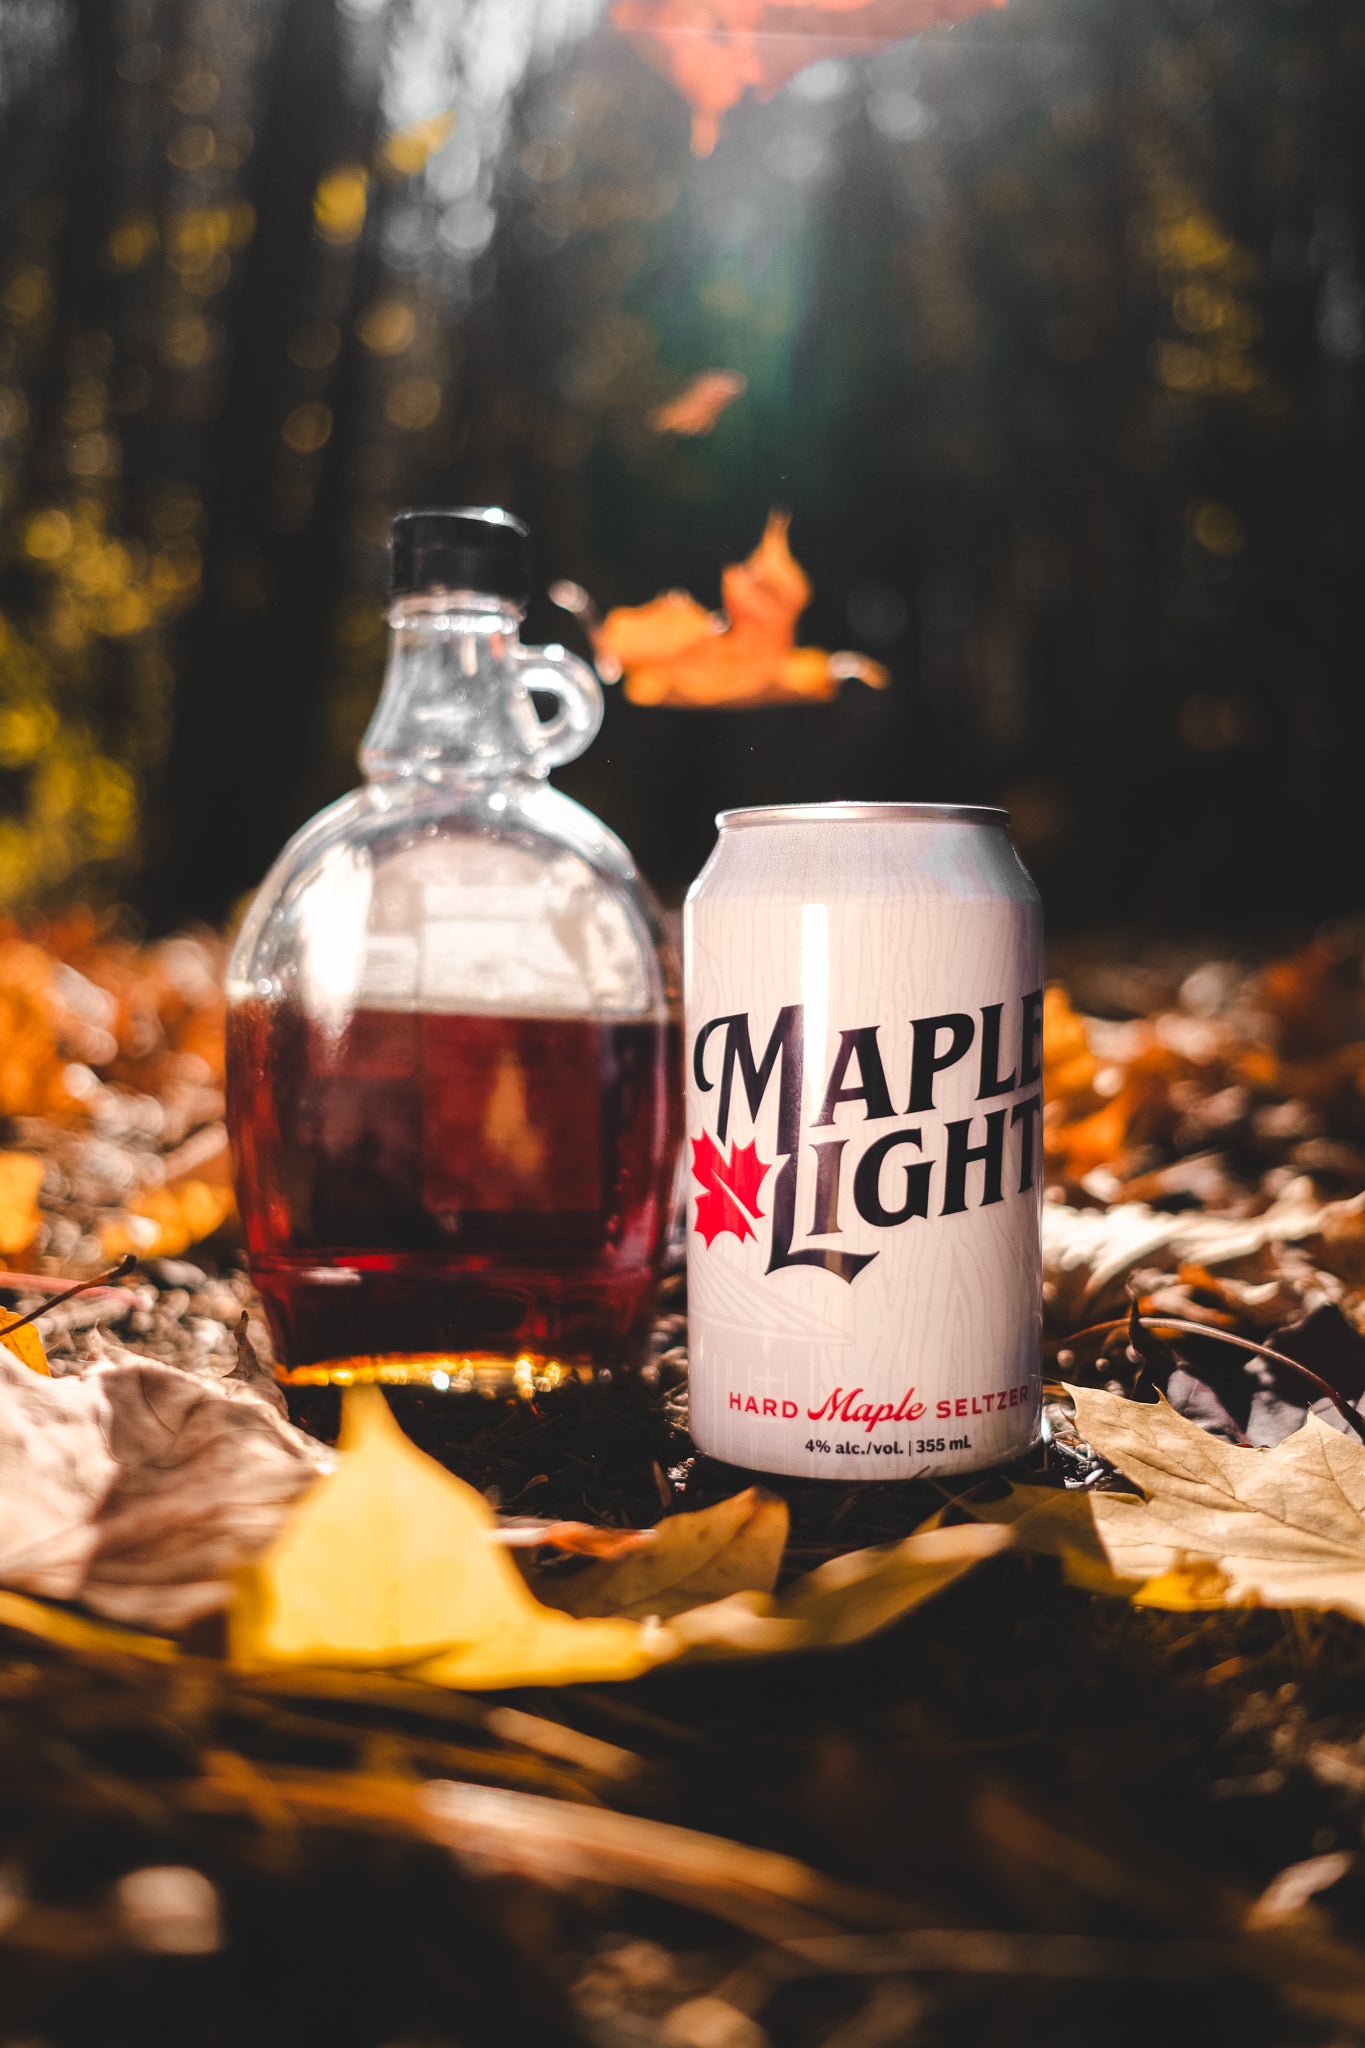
<point x="27" y="1346"/>
<point x="388" y="1562"/>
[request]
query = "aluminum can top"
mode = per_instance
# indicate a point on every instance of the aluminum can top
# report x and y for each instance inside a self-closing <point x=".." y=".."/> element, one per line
<point x="861" y="814"/>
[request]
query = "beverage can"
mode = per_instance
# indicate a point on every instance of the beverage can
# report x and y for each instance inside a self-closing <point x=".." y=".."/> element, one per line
<point x="863" y="1018"/>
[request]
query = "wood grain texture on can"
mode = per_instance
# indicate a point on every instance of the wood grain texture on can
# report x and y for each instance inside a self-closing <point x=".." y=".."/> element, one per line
<point x="863" y="989"/>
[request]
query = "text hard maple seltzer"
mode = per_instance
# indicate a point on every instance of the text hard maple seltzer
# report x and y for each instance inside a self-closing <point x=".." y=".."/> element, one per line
<point x="864" y="1103"/>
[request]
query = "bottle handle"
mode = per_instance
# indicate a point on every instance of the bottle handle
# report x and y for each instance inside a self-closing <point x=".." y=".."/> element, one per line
<point x="575" y="725"/>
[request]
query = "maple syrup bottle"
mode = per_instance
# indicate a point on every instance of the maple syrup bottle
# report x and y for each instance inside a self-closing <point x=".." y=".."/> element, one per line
<point x="453" y="1086"/>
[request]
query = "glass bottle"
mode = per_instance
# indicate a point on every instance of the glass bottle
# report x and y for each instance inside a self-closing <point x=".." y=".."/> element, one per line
<point x="452" y="1021"/>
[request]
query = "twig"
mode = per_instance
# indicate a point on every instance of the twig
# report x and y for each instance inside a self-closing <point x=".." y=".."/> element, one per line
<point x="118" y="1272"/>
<point x="1158" y="1324"/>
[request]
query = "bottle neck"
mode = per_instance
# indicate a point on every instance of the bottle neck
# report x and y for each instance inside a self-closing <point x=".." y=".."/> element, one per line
<point x="453" y="707"/>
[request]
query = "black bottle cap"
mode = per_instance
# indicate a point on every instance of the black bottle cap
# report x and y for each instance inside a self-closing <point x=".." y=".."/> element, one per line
<point x="461" y="547"/>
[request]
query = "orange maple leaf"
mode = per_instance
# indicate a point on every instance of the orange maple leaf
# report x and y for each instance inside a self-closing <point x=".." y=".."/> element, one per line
<point x="714" y="51"/>
<point x="729" y="1200"/>
<point x="673" y="651"/>
<point x="699" y="404"/>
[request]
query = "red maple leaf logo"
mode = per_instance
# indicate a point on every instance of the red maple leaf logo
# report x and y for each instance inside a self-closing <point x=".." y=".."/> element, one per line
<point x="729" y="1200"/>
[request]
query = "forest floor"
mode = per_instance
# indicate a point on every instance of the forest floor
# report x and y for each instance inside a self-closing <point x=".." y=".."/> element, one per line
<point x="1025" y="1812"/>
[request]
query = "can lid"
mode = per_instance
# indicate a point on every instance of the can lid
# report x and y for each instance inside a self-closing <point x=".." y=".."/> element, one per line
<point x="862" y="814"/>
<point x="461" y="547"/>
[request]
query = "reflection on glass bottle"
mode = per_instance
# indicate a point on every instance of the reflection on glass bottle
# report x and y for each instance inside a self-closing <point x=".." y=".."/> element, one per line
<point x="452" y="1036"/>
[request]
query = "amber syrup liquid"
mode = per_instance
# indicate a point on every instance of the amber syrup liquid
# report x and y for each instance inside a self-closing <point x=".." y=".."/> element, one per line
<point x="457" y="1201"/>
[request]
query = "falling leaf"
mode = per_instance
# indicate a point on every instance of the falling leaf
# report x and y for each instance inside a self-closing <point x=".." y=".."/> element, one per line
<point x="1283" y="1527"/>
<point x="699" y="404"/>
<point x="714" y="51"/>
<point x="387" y="1564"/>
<point x="735" y="1546"/>
<point x="674" y="652"/>
<point x="729" y="1201"/>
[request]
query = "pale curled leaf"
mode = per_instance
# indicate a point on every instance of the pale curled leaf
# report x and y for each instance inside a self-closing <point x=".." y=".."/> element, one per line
<point x="1052" y="1523"/>
<point x="138" y="1488"/>
<point x="1088" y="1253"/>
<point x="1284" y="1527"/>
<point x="734" y="1547"/>
<point x="857" y="1595"/>
<point x="842" y="1602"/>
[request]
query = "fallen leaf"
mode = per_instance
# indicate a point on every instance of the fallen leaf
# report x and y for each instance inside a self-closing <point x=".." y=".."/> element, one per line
<point x="27" y="1346"/>
<point x="388" y="1564"/>
<point x="56" y="1469"/>
<point x="21" y="1176"/>
<point x="859" y="1594"/>
<point x="714" y="51"/>
<point x="391" y="1564"/>
<point x="1051" y="1523"/>
<point x="137" y="1487"/>
<point x="698" y="406"/>
<point x="1284" y="1527"/>
<point x="730" y="1188"/>
<point x="735" y="1546"/>
<point x="673" y="651"/>
<point x="70" y="1631"/>
<point x="1089" y="1253"/>
<point x="1289" y="1892"/>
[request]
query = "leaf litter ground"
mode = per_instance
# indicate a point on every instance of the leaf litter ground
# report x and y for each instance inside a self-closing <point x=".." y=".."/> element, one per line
<point x="1026" y="1812"/>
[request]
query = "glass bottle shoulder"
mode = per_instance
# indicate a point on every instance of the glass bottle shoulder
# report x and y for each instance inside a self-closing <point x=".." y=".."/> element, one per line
<point x="498" y="896"/>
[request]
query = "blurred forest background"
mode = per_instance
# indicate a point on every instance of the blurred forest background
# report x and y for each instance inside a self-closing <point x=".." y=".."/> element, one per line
<point x="1053" y="326"/>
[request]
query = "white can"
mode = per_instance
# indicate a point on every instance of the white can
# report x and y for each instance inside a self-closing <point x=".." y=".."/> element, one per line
<point x="864" y="1116"/>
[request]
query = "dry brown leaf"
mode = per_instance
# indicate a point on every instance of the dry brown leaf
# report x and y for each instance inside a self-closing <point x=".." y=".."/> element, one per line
<point x="734" y="1547"/>
<point x="1282" y="1527"/>
<point x="674" y="652"/>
